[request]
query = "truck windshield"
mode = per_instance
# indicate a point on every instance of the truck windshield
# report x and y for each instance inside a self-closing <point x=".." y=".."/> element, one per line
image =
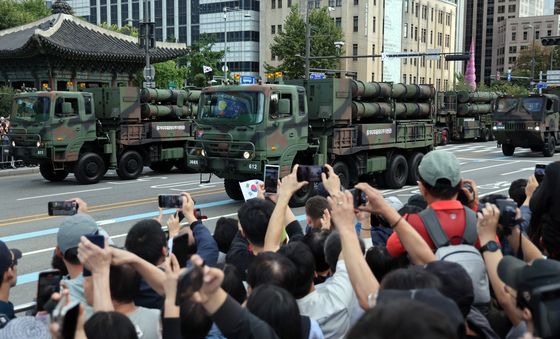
<point x="32" y="108"/>
<point x="533" y="105"/>
<point x="507" y="104"/>
<point x="232" y="107"/>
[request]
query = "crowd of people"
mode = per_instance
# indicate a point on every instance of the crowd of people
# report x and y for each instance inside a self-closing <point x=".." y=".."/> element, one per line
<point x="447" y="264"/>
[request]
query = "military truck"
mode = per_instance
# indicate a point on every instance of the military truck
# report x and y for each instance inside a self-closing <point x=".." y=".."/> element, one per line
<point x="465" y="115"/>
<point x="529" y="121"/>
<point x="90" y="132"/>
<point x="361" y="129"/>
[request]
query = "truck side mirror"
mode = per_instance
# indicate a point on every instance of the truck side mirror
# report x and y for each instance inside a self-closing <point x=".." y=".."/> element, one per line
<point x="284" y="107"/>
<point x="67" y="109"/>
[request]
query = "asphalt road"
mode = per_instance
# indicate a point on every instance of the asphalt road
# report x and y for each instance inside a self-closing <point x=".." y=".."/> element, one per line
<point x="117" y="204"/>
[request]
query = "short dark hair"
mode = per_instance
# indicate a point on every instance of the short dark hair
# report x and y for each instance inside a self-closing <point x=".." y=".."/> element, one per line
<point x="225" y="231"/>
<point x="517" y="191"/>
<point x="146" y="239"/>
<point x="333" y="247"/>
<point x="71" y="255"/>
<point x="272" y="268"/>
<point x="302" y="258"/>
<point x="315" y="207"/>
<point x="58" y="264"/>
<point x="386" y="321"/>
<point x="124" y="283"/>
<point x="278" y="308"/>
<point x="381" y="262"/>
<point x="442" y="189"/>
<point x="233" y="283"/>
<point x="195" y="322"/>
<point x="315" y="239"/>
<point x="110" y="325"/>
<point x="410" y="279"/>
<point x="254" y="216"/>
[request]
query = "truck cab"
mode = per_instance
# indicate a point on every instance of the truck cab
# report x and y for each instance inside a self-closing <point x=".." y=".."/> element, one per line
<point x="242" y="128"/>
<point x="527" y="121"/>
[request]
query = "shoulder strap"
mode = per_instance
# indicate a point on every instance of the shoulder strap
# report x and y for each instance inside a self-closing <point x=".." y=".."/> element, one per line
<point x="470" y="234"/>
<point x="433" y="226"/>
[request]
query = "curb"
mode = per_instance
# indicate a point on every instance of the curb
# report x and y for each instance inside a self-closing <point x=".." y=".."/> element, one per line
<point x="19" y="171"/>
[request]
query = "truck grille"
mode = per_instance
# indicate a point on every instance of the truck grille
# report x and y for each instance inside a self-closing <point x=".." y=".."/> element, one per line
<point x="515" y="126"/>
<point x="224" y="149"/>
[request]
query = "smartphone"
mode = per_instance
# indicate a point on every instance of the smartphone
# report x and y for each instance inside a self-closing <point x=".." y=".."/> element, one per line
<point x="539" y="172"/>
<point x="170" y="201"/>
<point x="48" y="283"/>
<point x="189" y="282"/>
<point x="271" y="176"/>
<point x="98" y="240"/>
<point x="181" y="249"/>
<point x="198" y="214"/>
<point x="67" y="317"/>
<point x="63" y="208"/>
<point x="310" y="173"/>
<point x="360" y="198"/>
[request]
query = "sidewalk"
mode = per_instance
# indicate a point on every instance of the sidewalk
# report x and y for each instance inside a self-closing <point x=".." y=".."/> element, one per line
<point x="19" y="171"/>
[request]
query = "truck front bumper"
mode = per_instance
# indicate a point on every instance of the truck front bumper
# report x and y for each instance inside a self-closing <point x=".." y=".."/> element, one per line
<point x="225" y="167"/>
<point x="29" y="154"/>
<point x="519" y="138"/>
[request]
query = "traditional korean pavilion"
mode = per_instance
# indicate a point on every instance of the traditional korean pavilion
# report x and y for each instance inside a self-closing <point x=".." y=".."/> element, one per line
<point x="64" y="52"/>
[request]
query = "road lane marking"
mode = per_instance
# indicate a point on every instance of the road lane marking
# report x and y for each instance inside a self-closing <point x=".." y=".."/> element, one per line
<point x="485" y="167"/>
<point x="64" y="193"/>
<point x="519" y="171"/>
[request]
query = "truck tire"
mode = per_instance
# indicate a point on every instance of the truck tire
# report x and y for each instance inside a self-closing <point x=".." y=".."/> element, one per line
<point x="550" y="147"/>
<point x="232" y="189"/>
<point x="89" y="169"/>
<point x="484" y="135"/>
<point x="341" y="169"/>
<point x="508" y="149"/>
<point x="302" y="195"/>
<point x="161" y="166"/>
<point x="47" y="171"/>
<point x="130" y="165"/>
<point x="396" y="173"/>
<point x="413" y="162"/>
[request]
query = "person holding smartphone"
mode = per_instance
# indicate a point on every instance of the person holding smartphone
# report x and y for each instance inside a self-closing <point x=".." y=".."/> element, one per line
<point x="8" y="278"/>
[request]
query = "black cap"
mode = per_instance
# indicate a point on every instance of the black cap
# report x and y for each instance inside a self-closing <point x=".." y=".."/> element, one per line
<point x="523" y="277"/>
<point x="456" y="283"/>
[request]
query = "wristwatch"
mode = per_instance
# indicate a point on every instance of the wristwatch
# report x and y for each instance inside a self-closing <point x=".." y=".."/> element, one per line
<point x="490" y="246"/>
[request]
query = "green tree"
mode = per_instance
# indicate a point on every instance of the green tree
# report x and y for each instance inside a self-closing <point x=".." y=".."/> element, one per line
<point x="460" y="83"/>
<point x="289" y="45"/>
<point x="126" y="29"/>
<point x="16" y="13"/>
<point x="169" y="71"/>
<point x="523" y="63"/>
<point x="201" y="54"/>
<point x="504" y="87"/>
<point x="6" y="95"/>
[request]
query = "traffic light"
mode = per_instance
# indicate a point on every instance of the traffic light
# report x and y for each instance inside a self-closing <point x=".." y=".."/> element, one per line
<point x="457" y="57"/>
<point x="550" y="40"/>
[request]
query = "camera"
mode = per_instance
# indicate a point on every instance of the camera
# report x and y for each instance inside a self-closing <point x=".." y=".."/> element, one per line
<point x="508" y="213"/>
<point x="310" y="173"/>
<point x="539" y="172"/>
<point x="170" y="201"/>
<point x="360" y="198"/>
<point x="62" y="208"/>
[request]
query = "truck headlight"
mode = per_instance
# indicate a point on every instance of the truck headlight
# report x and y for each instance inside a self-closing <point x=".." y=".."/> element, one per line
<point x="246" y="155"/>
<point x="203" y="153"/>
<point x="38" y="144"/>
<point x="13" y="143"/>
<point x="537" y="128"/>
<point x="494" y="128"/>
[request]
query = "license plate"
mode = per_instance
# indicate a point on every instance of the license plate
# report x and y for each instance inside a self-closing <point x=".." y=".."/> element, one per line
<point x="193" y="162"/>
<point x="40" y="152"/>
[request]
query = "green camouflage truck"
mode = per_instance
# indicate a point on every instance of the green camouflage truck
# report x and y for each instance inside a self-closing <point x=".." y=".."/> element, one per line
<point x="465" y="115"/>
<point x="529" y="121"/>
<point x="361" y="129"/>
<point x="92" y="131"/>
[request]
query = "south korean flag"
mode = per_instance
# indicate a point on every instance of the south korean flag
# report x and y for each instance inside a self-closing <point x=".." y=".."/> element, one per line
<point x="206" y="69"/>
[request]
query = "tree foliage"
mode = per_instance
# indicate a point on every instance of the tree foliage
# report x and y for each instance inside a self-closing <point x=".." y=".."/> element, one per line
<point x="201" y="54"/>
<point x="289" y="45"/>
<point x="169" y="71"/>
<point x="523" y="63"/>
<point x="126" y="29"/>
<point x="6" y="95"/>
<point x="15" y="13"/>
<point x="504" y="87"/>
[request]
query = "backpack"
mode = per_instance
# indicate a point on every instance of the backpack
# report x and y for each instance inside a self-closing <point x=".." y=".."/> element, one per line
<point x="464" y="254"/>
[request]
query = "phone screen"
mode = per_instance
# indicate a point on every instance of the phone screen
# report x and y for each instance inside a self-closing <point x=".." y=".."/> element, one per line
<point x="181" y="249"/>
<point x="98" y="240"/>
<point x="170" y="201"/>
<point x="360" y="198"/>
<point x="271" y="176"/>
<point x="49" y="282"/>
<point x="69" y="321"/>
<point x="539" y="172"/>
<point x="310" y="173"/>
<point x="63" y="208"/>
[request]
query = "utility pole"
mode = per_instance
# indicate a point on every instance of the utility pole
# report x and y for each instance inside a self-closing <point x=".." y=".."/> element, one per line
<point x="307" y="41"/>
<point x="225" y="44"/>
<point x="149" y="42"/>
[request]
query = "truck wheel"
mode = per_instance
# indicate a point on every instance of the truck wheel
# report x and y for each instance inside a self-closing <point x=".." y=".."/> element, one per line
<point x="232" y="189"/>
<point x="89" y="169"/>
<point x="302" y="195"/>
<point x="484" y="135"/>
<point x="413" y="162"/>
<point x="550" y="147"/>
<point x="47" y="171"/>
<point x="537" y="148"/>
<point x="341" y="169"/>
<point x="508" y="149"/>
<point x="161" y="166"/>
<point x="130" y="165"/>
<point x="396" y="172"/>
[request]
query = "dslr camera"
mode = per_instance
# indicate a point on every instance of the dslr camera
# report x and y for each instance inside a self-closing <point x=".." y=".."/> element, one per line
<point x="508" y="213"/>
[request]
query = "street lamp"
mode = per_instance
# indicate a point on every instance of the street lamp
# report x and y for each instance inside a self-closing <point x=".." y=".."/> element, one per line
<point x="226" y="10"/>
<point x="308" y="38"/>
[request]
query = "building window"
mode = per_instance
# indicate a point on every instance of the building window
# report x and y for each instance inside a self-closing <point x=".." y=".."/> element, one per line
<point x="423" y="35"/>
<point x="338" y="3"/>
<point x="431" y="37"/>
<point x="537" y="34"/>
<point x="279" y="29"/>
<point x="372" y="77"/>
<point x="513" y="49"/>
<point x="501" y="9"/>
<point x="511" y="8"/>
<point x="415" y="33"/>
<point x="424" y="12"/>
<point x="549" y="33"/>
<point x="448" y="19"/>
<point x="405" y="60"/>
<point x="373" y="49"/>
<point x="355" y="51"/>
<point x="439" y="39"/>
<point x="513" y="36"/>
<point x="410" y="78"/>
<point x="273" y="4"/>
<point x="422" y="80"/>
<point x="374" y="24"/>
<point x="356" y="2"/>
<point x="447" y="38"/>
<point x="404" y="78"/>
<point x="289" y="3"/>
<point x="406" y="6"/>
<point x="405" y="31"/>
<point x="432" y="15"/>
<point x="273" y="29"/>
<point x="525" y="35"/>
<point x="355" y="24"/>
<point x="411" y="31"/>
<point x="414" y="78"/>
<point x="338" y="22"/>
<point x="446" y="84"/>
<point x="523" y="48"/>
<point x="331" y="3"/>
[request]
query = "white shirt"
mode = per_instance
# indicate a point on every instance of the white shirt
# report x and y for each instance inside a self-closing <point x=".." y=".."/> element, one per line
<point x="331" y="305"/>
